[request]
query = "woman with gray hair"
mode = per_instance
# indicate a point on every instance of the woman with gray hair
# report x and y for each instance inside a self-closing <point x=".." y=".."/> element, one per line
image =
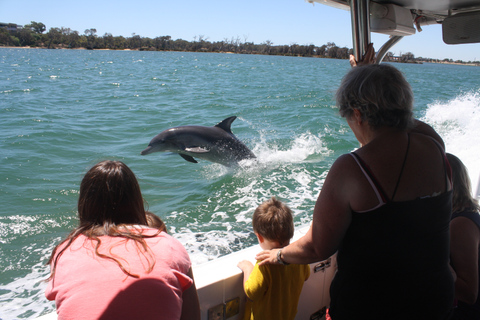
<point x="385" y="208"/>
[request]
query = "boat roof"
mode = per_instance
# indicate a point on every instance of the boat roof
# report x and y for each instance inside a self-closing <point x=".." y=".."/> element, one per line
<point x="460" y="20"/>
<point x="439" y="7"/>
<point x="433" y="5"/>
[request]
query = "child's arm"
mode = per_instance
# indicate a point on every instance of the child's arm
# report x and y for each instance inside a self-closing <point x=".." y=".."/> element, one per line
<point x="247" y="268"/>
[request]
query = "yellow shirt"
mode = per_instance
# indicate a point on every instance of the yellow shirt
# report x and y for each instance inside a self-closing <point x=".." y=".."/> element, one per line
<point x="273" y="291"/>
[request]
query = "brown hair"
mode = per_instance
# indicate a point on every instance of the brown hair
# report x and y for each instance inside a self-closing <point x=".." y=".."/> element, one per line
<point x="154" y="221"/>
<point x="462" y="191"/>
<point x="109" y="204"/>
<point x="273" y="220"/>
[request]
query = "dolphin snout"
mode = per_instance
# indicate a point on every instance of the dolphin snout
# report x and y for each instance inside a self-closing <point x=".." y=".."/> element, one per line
<point x="146" y="151"/>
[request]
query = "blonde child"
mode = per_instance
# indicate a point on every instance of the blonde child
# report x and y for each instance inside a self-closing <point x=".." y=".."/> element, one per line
<point x="273" y="290"/>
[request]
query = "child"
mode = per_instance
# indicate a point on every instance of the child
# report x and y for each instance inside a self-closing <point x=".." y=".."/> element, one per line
<point x="464" y="243"/>
<point x="155" y="222"/>
<point x="273" y="290"/>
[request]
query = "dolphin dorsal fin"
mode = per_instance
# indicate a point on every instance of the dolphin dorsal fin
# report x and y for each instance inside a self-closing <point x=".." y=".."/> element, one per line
<point x="225" y="124"/>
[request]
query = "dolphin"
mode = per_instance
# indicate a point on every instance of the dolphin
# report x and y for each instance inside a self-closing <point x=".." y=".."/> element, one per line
<point x="216" y="144"/>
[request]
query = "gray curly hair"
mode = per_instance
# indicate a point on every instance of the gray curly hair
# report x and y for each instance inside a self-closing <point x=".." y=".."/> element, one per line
<point x="380" y="92"/>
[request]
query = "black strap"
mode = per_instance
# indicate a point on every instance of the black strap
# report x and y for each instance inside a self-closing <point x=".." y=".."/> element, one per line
<point x="403" y="167"/>
<point x="372" y="177"/>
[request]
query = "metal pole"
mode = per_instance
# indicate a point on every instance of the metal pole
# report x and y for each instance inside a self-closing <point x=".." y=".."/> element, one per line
<point x="383" y="50"/>
<point x="360" y="13"/>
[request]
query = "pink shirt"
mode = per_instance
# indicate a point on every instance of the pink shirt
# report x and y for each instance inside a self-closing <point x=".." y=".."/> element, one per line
<point x="87" y="286"/>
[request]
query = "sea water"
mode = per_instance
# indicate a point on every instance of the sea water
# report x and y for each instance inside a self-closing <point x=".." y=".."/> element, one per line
<point x="62" y="111"/>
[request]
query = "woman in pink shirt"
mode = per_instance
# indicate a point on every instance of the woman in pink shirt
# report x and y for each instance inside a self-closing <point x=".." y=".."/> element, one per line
<point x="113" y="266"/>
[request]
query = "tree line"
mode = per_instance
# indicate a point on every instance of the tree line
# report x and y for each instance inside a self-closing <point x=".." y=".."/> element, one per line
<point x="34" y="35"/>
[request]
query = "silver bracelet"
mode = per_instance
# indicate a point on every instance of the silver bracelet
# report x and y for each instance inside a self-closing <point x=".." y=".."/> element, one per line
<point x="279" y="258"/>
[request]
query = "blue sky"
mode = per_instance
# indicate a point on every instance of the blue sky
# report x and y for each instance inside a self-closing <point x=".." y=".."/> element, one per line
<point x="280" y="21"/>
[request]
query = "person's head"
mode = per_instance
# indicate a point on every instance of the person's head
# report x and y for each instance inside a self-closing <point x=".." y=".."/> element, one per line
<point x="273" y="221"/>
<point x="154" y="221"/>
<point x="462" y="191"/>
<point x="380" y="93"/>
<point x="110" y="195"/>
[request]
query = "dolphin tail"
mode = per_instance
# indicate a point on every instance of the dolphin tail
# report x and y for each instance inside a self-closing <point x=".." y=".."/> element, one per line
<point x="225" y="124"/>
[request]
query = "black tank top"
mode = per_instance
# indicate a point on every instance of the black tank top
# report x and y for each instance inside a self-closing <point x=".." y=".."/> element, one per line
<point x="463" y="310"/>
<point x="393" y="262"/>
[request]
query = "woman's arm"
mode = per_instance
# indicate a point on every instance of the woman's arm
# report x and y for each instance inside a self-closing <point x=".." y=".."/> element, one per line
<point x="331" y="218"/>
<point x="190" y="304"/>
<point x="464" y="244"/>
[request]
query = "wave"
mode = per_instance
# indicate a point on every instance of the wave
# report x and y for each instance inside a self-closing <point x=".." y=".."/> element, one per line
<point x="457" y="121"/>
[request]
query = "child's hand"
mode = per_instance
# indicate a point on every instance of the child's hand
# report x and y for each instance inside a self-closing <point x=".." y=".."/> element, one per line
<point x="245" y="265"/>
<point x="247" y="268"/>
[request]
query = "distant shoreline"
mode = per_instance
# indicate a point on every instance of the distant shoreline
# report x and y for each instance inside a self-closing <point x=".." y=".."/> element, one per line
<point x="83" y="48"/>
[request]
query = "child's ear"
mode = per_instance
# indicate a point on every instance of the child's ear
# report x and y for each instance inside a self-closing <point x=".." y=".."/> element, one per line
<point x="259" y="237"/>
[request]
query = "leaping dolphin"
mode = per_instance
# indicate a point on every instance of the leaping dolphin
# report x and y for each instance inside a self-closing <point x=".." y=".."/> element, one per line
<point x="216" y="144"/>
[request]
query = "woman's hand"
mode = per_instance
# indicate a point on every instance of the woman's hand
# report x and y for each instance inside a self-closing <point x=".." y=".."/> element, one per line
<point x="368" y="58"/>
<point x="267" y="257"/>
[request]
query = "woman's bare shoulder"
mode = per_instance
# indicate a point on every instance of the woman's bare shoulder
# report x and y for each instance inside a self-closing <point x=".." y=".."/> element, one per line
<point x="427" y="131"/>
<point x="343" y="162"/>
<point x="344" y="173"/>
<point x="426" y="147"/>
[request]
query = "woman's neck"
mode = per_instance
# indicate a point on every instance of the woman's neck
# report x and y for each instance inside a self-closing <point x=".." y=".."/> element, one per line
<point x="378" y="135"/>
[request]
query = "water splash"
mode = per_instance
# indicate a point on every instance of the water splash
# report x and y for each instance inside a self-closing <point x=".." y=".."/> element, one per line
<point x="290" y="170"/>
<point x="457" y="122"/>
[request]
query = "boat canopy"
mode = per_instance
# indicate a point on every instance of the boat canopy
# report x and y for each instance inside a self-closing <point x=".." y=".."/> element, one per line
<point x="460" y="20"/>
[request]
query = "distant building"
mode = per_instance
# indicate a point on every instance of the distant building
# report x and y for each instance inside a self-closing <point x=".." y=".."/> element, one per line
<point x="10" y="26"/>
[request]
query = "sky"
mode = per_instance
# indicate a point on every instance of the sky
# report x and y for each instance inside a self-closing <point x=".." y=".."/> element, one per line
<point x="283" y="22"/>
